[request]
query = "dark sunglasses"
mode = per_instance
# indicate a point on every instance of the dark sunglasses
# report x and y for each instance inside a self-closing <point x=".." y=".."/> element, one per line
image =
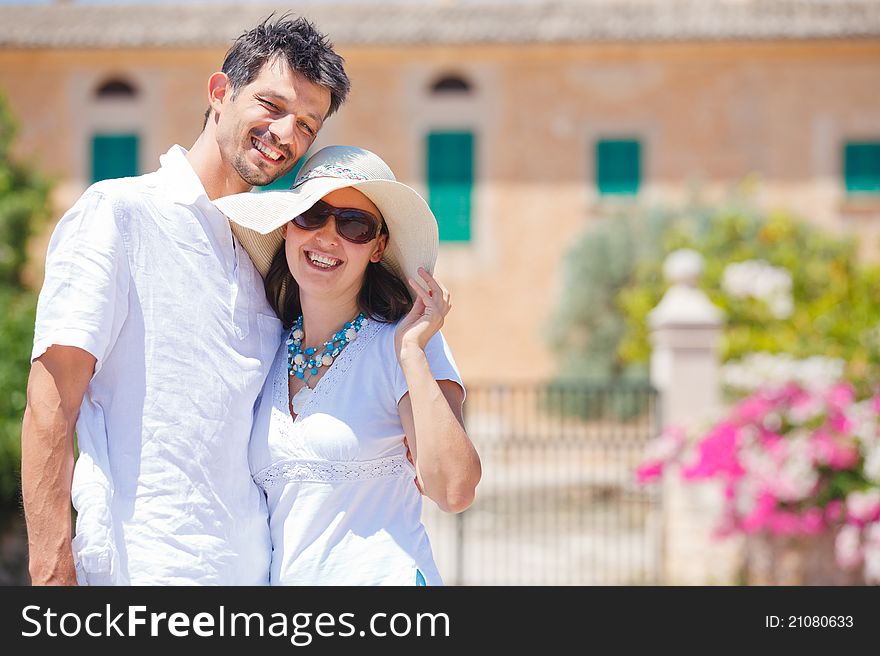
<point x="354" y="225"/>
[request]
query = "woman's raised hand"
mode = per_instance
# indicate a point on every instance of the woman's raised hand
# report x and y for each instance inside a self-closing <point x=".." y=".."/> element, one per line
<point x="426" y="317"/>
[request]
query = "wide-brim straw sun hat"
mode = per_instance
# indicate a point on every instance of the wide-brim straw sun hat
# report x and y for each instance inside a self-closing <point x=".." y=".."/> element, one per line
<point x="257" y="217"/>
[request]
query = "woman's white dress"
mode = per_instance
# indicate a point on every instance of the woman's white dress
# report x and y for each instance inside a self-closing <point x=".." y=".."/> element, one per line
<point x="343" y="505"/>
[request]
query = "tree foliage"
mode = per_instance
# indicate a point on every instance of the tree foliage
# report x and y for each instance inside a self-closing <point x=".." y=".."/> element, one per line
<point x="613" y="279"/>
<point x="836" y="298"/>
<point x="24" y="207"/>
<point x="587" y="326"/>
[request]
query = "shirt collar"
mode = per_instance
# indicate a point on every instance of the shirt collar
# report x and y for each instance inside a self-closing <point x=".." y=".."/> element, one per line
<point x="180" y="179"/>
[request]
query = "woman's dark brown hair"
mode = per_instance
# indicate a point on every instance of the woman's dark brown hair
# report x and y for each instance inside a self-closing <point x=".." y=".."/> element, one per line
<point x="383" y="297"/>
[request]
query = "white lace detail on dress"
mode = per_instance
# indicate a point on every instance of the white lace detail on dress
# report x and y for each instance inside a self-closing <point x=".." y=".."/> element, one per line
<point x="280" y="418"/>
<point x="326" y="471"/>
<point x="343" y="361"/>
<point x="325" y="385"/>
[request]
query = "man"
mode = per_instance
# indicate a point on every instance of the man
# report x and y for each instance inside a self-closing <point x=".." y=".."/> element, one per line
<point x="153" y="338"/>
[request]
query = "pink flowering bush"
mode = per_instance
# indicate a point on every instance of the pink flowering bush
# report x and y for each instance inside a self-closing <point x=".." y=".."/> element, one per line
<point x="792" y="461"/>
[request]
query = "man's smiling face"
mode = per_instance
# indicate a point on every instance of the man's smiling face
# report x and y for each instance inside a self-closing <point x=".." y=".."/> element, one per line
<point x="267" y="125"/>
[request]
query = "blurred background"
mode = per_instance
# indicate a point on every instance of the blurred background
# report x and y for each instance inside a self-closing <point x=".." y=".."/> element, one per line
<point x="651" y="212"/>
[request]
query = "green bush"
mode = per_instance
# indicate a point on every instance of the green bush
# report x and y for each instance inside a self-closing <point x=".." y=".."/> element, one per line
<point x="836" y="300"/>
<point x="586" y="329"/>
<point x="24" y="208"/>
<point x="612" y="279"/>
<point x="16" y="335"/>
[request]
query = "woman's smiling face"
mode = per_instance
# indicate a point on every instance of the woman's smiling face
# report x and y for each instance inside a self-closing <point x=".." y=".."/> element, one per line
<point x="325" y="264"/>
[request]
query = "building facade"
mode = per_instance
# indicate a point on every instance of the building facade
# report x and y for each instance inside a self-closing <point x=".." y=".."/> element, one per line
<point x="520" y="124"/>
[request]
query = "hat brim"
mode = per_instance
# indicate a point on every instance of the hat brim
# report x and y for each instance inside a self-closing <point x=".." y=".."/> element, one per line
<point x="257" y="218"/>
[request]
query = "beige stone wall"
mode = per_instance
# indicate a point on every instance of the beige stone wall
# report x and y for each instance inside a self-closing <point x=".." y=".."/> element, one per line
<point x="707" y="114"/>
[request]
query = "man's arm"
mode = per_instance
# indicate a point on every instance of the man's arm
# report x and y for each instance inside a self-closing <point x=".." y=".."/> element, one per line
<point x="56" y="386"/>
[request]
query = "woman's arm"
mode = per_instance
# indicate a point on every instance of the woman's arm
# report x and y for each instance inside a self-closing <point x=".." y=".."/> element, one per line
<point x="446" y="461"/>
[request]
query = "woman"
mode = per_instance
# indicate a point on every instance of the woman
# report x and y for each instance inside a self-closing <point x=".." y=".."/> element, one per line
<point x="346" y="255"/>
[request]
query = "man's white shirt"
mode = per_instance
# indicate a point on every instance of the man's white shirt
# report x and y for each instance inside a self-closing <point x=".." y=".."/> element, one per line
<point x="144" y="273"/>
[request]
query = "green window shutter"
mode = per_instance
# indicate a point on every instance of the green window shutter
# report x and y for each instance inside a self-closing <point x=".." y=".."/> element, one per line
<point x="618" y="166"/>
<point x="285" y="181"/>
<point x="114" y="156"/>
<point x="450" y="182"/>
<point x="861" y="167"/>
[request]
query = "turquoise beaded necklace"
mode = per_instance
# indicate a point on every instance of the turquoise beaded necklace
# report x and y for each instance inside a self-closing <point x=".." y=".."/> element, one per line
<point x="305" y="363"/>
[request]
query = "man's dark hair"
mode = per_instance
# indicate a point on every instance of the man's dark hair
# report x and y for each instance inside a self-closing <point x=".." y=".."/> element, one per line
<point x="295" y="41"/>
<point x="383" y="297"/>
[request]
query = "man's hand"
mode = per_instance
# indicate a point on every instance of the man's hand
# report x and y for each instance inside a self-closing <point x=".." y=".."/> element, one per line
<point x="409" y="456"/>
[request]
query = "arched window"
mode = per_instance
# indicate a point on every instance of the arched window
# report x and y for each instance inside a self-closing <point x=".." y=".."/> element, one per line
<point x="115" y="89"/>
<point x="451" y="84"/>
<point x="116" y="122"/>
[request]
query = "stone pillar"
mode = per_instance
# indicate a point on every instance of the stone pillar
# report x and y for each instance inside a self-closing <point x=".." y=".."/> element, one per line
<point x="685" y="369"/>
